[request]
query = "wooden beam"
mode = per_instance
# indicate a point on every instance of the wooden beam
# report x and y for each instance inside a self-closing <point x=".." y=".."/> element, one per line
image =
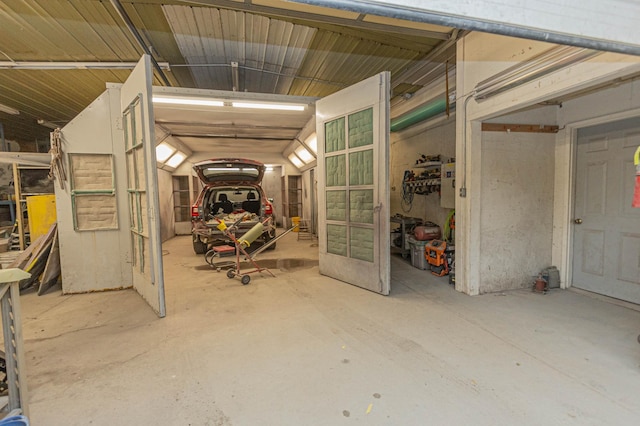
<point x="526" y="128"/>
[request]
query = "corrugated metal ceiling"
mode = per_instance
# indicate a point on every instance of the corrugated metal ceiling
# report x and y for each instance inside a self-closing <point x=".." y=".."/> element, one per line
<point x="269" y="51"/>
<point x="280" y="48"/>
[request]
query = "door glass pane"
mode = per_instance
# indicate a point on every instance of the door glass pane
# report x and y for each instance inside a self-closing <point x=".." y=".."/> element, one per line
<point x="336" y="205"/>
<point x="133" y="210"/>
<point x="135" y="249"/>
<point x="131" y="176"/>
<point x="144" y="225"/>
<point x="145" y="257"/>
<point x="361" y="168"/>
<point x="128" y="130"/>
<point x="138" y="136"/>
<point x="336" y="170"/>
<point x="361" y="128"/>
<point x="139" y="165"/>
<point x="361" y="206"/>
<point x="334" y="135"/>
<point x="337" y="239"/>
<point x="362" y="243"/>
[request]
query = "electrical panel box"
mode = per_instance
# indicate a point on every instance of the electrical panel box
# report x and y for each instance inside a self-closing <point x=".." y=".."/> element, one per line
<point x="448" y="185"/>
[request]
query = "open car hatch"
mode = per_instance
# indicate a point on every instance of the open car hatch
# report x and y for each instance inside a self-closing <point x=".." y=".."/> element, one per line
<point x="230" y="170"/>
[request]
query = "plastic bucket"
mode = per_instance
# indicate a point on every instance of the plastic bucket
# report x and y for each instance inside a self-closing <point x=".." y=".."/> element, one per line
<point x="14" y="421"/>
<point x="295" y="221"/>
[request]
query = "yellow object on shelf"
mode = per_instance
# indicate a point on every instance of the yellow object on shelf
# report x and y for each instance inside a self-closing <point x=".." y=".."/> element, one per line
<point x="41" y="210"/>
<point x="295" y="221"/>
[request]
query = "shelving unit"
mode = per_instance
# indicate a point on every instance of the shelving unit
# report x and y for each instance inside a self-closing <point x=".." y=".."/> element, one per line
<point x="405" y="223"/>
<point x="421" y="186"/>
<point x="21" y="202"/>
<point x="442" y="181"/>
<point x="292" y="196"/>
<point x="184" y="195"/>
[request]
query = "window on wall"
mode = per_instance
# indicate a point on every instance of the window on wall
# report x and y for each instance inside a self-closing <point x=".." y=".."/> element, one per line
<point x="181" y="199"/>
<point x="93" y="194"/>
<point x="294" y="196"/>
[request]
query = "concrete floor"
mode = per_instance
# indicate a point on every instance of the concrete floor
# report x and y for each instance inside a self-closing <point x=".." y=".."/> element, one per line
<point x="302" y="349"/>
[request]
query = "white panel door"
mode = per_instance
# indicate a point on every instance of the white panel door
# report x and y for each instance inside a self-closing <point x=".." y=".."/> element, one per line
<point x="142" y="186"/>
<point x="606" y="255"/>
<point x="353" y="184"/>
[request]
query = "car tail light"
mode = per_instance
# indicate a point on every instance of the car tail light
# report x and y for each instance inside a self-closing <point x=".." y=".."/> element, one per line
<point x="268" y="209"/>
<point x="194" y="212"/>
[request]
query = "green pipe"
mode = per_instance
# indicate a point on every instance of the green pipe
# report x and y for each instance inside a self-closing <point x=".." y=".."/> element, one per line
<point x="419" y="114"/>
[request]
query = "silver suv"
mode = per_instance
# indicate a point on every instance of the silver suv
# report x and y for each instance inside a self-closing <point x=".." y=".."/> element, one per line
<point x="232" y="193"/>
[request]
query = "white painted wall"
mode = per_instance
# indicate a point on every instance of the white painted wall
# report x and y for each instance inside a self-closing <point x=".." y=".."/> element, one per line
<point x="516" y="211"/>
<point x="480" y="56"/>
<point x="167" y="213"/>
<point x="306" y="195"/>
<point x="94" y="131"/>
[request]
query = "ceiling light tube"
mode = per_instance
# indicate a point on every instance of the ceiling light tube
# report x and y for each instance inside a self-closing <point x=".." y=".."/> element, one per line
<point x="176" y="160"/>
<point x="224" y="169"/>
<point x="304" y="155"/>
<point x="48" y="124"/>
<point x="235" y="76"/>
<point x="312" y="143"/>
<point x="256" y="105"/>
<point x="164" y="151"/>
<point x="185" y="101"/>
<point x="295" y="160"/>
<point x="308" y="151"/>
<point x="9" y="110"/>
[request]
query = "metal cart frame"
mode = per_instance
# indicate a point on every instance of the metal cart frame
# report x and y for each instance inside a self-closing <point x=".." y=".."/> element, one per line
<point x="215" y="260"/>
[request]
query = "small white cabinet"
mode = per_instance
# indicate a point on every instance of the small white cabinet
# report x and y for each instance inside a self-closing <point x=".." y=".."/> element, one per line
<point x="448" y="185"/>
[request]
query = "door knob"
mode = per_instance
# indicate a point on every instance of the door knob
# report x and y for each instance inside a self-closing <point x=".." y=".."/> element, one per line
<point x="577" y="221"/>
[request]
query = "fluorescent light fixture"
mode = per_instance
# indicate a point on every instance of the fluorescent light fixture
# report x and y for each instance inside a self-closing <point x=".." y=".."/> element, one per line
<point x="295" y="160"/>
<point x="269" y="169"/>
<point x="164" y="151"/>
<point x="304" y="155"/>
<point x="9" y="110"/>
<point x="235" y="76"/>
<point x="284" y="107"/>
<point x="224" y="169"/>
<point x="48" y="124"/>
<point x="186" y="101"/>
<point x="176" y="160"/>
<point x="312" y="142"/>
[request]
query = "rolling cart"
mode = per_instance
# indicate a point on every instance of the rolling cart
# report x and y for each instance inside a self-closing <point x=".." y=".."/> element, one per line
<point x="216" y="256"/>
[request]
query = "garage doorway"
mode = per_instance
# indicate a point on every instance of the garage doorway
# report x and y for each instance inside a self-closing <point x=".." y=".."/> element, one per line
<point x="606" y="238"/>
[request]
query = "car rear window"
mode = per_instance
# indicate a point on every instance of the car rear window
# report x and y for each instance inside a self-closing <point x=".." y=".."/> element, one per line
<point x="235" y="195"/>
